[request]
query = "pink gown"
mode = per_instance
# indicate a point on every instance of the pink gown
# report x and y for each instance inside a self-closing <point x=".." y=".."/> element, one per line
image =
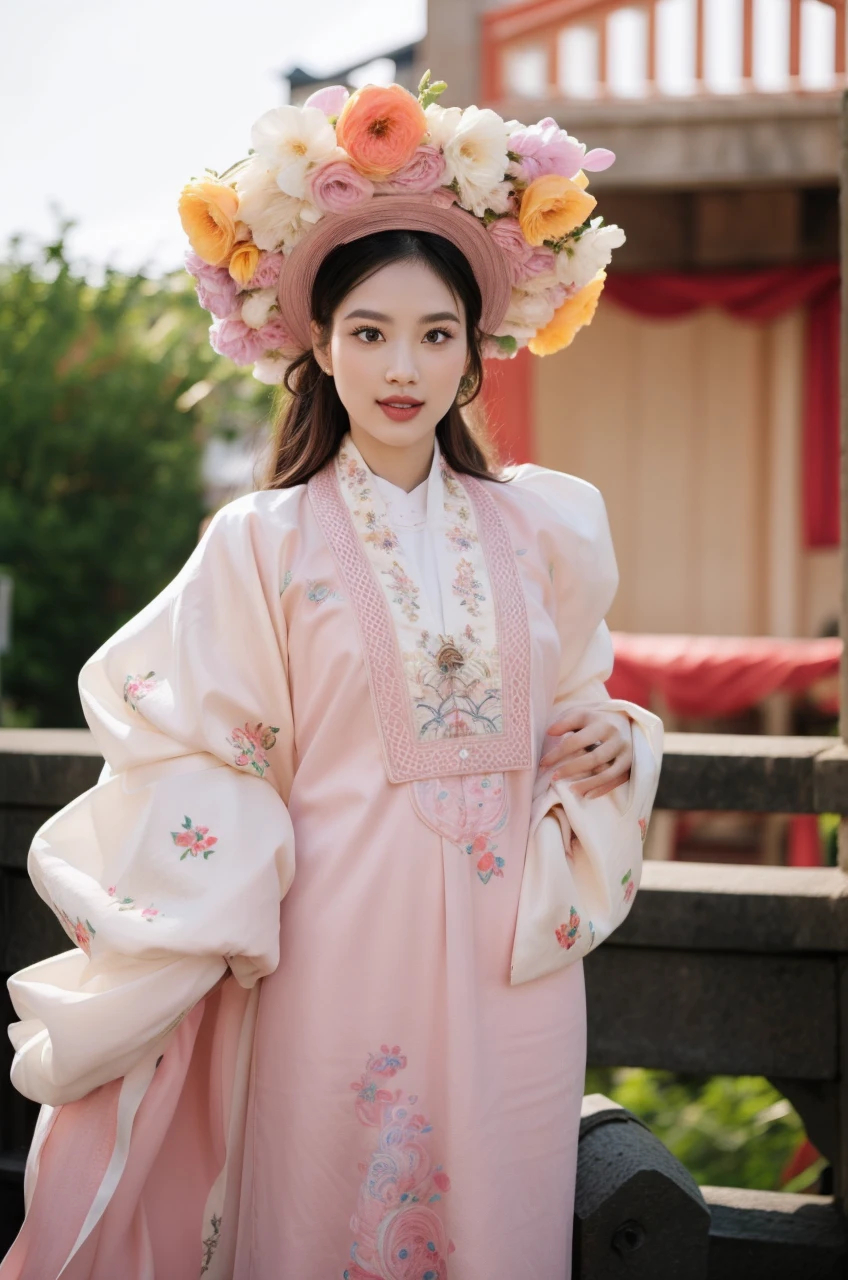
<point x="390" y="1099"/>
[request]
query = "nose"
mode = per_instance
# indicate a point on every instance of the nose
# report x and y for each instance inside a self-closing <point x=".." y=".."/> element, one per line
<point x="401" y="370"/>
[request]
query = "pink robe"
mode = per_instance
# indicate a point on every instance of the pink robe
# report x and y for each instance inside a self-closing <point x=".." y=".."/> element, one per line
<point x="395" y="1095"/>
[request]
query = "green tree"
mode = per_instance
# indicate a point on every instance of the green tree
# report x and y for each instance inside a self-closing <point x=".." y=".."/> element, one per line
<point x="108" y="393"/>
<point x="729" y="1131"/>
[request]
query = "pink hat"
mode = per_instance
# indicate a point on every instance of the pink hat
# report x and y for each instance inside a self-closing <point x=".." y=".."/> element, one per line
<point x="394" y="213"/>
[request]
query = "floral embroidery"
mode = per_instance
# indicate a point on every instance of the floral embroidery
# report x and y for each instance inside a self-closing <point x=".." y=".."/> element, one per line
<point x="468" y="588"/>
<point x="458" y="691"/>
<point x="455" y="681"/>
<point x="461" y="538"/>
<point x="287" y="577"/>
<point x="643" y="828"/>
<point x="405" y="591"/>
<point x="591" y="935"/>
<point x="567" y="934"/>
<point x="251" y="745"/>
<point x="551" y="570"/>
<point x="129" y="904"/>
<point x="138" y="687"/>
<point x="629" y="884"/>
<point x="521" y="551"/>
<point x="379" y="534"/>
<point x="488" y="864"/>
<point x="450" y="482"/>
<point x="319" y="592"/>
<point x="210" y="1244"/>
<point x="81" y="931"/>
<point x="398" y="1232"/>
<point x="193" y="840"/>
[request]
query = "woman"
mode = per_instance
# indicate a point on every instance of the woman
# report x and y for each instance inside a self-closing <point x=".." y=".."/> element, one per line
<point x="385" y="669"/>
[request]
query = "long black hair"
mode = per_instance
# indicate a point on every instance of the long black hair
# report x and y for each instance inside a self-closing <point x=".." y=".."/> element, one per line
<point x="312" y="420"/>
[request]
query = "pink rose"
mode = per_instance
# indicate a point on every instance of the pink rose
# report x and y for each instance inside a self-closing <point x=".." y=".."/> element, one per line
<point x="329" y="100"/>
<point x="216" y="289"/>
<point x="443" y="197"/>
<point x="337" y="187"/>
<point x="267" y="271"/>
<point x="275" y="336"/>
<point x="507" y="234"/>
<point x="234" y="339"/>
<point x="422" y="174"/>
<point x="539" y="261"/>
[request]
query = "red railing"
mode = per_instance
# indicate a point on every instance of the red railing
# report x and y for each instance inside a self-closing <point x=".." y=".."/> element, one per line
<point x="525" y="47"/>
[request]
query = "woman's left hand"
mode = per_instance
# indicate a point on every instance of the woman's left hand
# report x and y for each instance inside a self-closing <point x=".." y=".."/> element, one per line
<point x="595" y="753"/>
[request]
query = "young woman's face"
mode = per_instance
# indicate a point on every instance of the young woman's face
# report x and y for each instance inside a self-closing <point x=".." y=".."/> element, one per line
<point x="397" y="352"/>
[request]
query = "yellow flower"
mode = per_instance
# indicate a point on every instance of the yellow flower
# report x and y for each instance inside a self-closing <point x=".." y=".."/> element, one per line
<point x="551" y="207"/>
<point x="575" y="312"/>
<point x="580" y="180"/>
<point x="244" y="261"/>
<point x="208" y="214"/>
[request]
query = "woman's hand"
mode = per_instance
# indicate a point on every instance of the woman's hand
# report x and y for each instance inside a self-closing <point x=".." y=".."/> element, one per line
<point x="595" y="753"/>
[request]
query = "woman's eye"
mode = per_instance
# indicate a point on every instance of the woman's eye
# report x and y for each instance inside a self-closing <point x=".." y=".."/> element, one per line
<point x="368" y="334"/>
<point x="438" y="334"/>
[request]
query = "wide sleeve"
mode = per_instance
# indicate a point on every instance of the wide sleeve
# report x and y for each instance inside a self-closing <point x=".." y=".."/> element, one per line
<point x="584" y="856"/>
<point x="171" y="869"/>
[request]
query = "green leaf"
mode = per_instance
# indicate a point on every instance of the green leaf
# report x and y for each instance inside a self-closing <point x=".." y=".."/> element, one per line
<point x="506" y="342"/>
<point x="187" y="823"/>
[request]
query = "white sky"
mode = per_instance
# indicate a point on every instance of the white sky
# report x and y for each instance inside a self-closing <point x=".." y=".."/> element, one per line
<point x="109" y="107"/>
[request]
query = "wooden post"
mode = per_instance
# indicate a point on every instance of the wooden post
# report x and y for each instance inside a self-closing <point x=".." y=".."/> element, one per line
<point x="843" y="486"/>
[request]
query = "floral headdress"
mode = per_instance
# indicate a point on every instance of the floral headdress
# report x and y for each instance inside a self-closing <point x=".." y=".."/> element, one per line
<point x="333" y="157"/>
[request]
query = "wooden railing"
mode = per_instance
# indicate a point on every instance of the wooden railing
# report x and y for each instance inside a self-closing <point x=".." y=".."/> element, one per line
<point x="662" y="48"/>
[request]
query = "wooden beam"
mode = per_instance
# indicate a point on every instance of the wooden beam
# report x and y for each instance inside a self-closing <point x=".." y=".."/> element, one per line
<point x="747" y="41"/>
<point x="794" y="39"/>
<point x="651" y="69"/>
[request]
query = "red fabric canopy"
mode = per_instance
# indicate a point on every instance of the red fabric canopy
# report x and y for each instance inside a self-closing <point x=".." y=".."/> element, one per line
<point x="765" y="295"/>
<point x="716" y="675"/>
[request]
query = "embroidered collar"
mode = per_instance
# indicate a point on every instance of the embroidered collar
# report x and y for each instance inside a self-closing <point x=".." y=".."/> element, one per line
<point x="451" y="701"/>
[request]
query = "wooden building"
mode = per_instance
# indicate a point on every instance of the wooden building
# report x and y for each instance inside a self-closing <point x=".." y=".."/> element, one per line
<point x="724" y="115"/>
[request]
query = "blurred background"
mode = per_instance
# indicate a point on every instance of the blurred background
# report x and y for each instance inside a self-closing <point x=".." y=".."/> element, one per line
<point x="703" y="400"/>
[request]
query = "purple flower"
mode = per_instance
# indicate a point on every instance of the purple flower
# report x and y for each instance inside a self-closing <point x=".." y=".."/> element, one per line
<point x="267" y="272"/>
<point x="336" y="187"/>
<point x="545" y="148"/>
<point x="329" y="100"/>
<point x="216" y="289"/>
<point x="422" y="174"/>
<point x="237" y="341"/>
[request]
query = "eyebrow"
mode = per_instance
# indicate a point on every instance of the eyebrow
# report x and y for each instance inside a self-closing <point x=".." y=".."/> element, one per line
<point x="362" y="314"/>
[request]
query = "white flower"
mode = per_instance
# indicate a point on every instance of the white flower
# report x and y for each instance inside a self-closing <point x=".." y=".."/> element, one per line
<point x="527" y="314"/>
<point x="271" y="370"/>
<point x="476" y="158"/>
<point x="257" y="307"/>
<point x="581" y="260"/>
<point x="442" y="123"/>
<point x="291" y="141"/>
<point x="276" y="220"/>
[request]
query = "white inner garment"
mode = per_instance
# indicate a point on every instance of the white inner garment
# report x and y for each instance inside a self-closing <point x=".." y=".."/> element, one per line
<point x="407" y="513"/>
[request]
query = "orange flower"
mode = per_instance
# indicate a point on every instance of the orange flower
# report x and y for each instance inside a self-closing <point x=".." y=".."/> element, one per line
<point x="244" y="261"/>
<point x="380" y="129"/>
<point x="574" y="313"/>
<point x="208" y="214"/>
<point x="551" y="207"/>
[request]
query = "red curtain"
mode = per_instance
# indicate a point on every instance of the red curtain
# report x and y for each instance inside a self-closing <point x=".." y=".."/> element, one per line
<point x="717" y="675"/>
<point x="765" y="295"/>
